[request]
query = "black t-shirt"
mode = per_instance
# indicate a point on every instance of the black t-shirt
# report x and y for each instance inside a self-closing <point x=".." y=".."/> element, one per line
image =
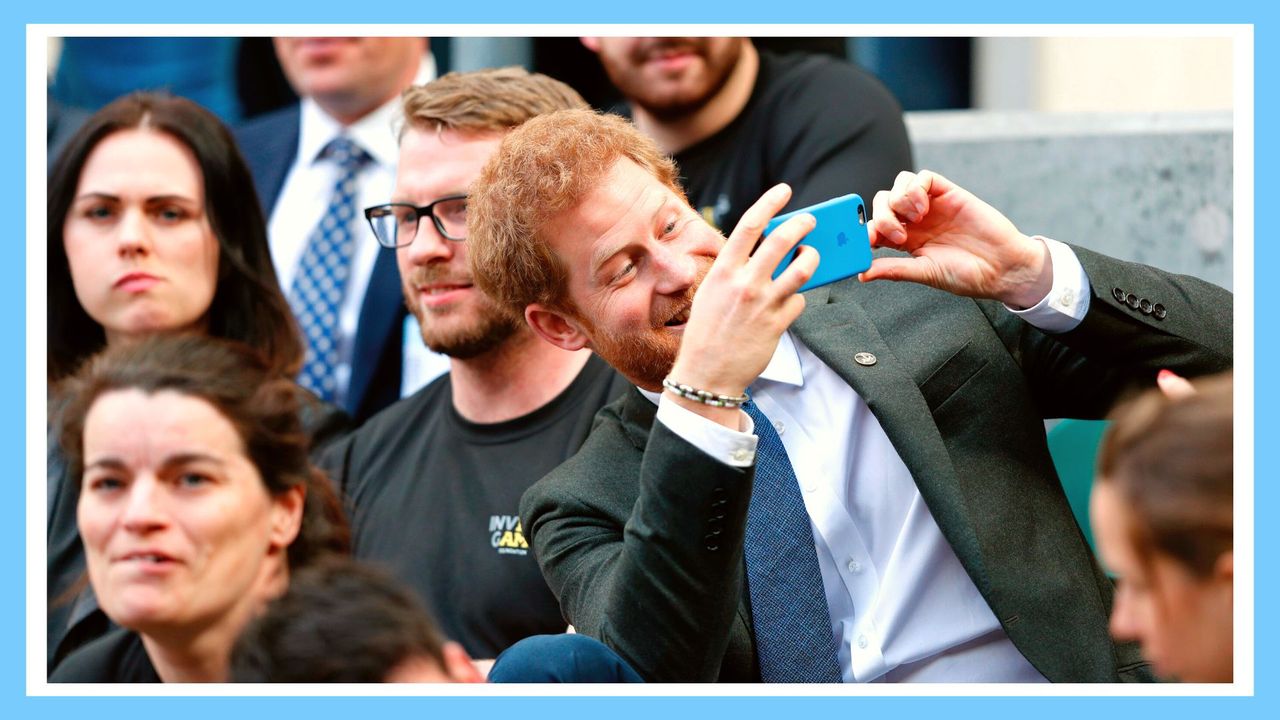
<point x="435" y="499"/>
<point x="116" y="657"/>
<point x="822" y="125"/>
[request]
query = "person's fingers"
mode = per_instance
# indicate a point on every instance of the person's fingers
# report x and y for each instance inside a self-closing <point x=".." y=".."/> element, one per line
<point x="799" y="271"/>
<point x="934" y="184"/>
<point x="791" y="308"/>
<point x="902" y="180"/>
<point x="884" y="227"/>
<point x="911" y="201"/>
<point x="773" y="248"/>
<point x="753" y="222"/>
<point x="919" y="270"/>
<point x="1174" y="386"/>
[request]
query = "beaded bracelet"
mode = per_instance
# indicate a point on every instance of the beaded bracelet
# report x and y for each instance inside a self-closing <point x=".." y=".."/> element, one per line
<point x="703" y="396"/>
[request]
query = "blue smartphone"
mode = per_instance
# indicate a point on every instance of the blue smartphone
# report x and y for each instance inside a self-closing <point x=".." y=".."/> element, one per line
<point x="840" y="237"/>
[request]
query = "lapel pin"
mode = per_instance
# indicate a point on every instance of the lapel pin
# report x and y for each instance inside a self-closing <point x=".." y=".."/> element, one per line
<point x="864" y="358"/>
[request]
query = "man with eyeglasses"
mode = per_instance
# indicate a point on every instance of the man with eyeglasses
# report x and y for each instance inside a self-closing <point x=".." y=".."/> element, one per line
<point x="435" y="480"/>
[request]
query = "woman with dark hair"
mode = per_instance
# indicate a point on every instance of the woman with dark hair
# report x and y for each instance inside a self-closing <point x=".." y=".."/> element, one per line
<point x="153" y="227"/>
<point x="1162" y="514"/>
<point x="155" y="167"/>
<point x="197" y="500"/>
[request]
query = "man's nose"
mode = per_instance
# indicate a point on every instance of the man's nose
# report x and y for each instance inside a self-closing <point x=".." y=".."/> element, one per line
<point x="428" y="244"/>
<point x="676" y="269"/>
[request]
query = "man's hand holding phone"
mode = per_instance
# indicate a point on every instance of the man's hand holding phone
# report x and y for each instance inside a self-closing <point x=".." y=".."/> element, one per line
<point x="740" y="310"/>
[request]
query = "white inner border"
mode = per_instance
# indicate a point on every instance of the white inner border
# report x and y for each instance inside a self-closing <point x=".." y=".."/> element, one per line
<point x="1242" y="248"/>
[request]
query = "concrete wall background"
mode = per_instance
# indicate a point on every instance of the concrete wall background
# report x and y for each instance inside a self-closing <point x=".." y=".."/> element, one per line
<point x="1151" y="187"/>
<point x="1118" y="73"/>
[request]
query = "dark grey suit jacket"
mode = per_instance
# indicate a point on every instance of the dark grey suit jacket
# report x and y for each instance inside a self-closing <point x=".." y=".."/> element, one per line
<point x="623" y="530"/>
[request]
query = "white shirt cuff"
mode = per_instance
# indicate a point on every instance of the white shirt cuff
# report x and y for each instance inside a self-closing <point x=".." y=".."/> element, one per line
<point x="1068" y="300"/>
<point x="734" y="448"/>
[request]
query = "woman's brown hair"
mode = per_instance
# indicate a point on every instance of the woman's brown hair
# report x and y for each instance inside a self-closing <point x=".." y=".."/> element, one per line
<point x="242" y="385"/>
<point x="1171" y="462"/>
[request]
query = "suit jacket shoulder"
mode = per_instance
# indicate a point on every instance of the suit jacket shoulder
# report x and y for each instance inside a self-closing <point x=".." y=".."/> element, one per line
<point x="269" y="144"/>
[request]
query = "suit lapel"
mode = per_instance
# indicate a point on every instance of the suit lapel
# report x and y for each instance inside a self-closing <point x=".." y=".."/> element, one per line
<point x="382" y="317"/>
<point x="836" y="325"/>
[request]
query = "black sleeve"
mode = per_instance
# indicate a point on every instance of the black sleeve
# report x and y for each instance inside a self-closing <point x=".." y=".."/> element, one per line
<point x="836" y="130"/>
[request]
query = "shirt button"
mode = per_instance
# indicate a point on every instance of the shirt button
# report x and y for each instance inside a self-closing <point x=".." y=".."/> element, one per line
<point x="854" y="566"/>
<point x="742" y="455"/>
<point x="780" y="426"/>
<point x="1067" y="297"/>
<point x="862" y="642"/>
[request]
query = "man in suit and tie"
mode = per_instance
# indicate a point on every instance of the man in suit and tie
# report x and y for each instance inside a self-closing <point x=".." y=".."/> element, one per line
<point x="316" y="165"/>
<point x="847" y="485"/>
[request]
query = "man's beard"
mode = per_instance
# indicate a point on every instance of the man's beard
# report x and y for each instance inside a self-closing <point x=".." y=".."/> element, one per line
<point x="490" y="326"/>
<point x="645" y="358"/>
<point x="491" y="329"/>
<point x="671" y="106"/>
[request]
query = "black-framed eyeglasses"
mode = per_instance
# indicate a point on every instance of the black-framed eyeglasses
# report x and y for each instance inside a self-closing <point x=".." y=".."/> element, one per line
<point x="396" y="224"/>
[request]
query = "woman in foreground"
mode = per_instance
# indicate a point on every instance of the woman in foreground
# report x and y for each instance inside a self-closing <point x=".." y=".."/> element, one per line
<point x="196" y="502"/>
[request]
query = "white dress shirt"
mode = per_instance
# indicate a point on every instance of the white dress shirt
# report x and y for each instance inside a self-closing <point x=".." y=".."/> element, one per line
<point x="304" y="198"/>
<point x="902" y="607"/>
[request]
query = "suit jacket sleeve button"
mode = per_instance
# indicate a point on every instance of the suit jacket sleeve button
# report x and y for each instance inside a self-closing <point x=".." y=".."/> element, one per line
<point x="1158" y="312"/>
<point x="1131" y="300"/>
<point x="1118" y="294"/>
<point x="1145" y="306"/>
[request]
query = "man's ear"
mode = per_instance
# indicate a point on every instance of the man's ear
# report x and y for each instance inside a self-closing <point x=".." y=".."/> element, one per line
<point x="458" y="665"/>
<point x="591" y="43"/>
<point x="556" y="327"/>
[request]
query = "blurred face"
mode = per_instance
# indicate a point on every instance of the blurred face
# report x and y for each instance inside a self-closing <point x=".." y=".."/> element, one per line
<point x="180" y="533"/>
<point x="636" y="253"/>
<point x="456" y="318"/>
<point x="142" y="254"/>
<point x="1183" y="622"/>
<point x="668" y="77"/>
<point x="349" y="77"/>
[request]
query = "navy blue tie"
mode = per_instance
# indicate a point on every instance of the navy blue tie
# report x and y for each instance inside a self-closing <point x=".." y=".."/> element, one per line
<point x="788" y="604"/>
<point x="321" y="280"/>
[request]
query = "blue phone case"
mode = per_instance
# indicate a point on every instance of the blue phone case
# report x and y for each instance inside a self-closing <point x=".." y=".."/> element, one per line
<point x="840" y="238"/>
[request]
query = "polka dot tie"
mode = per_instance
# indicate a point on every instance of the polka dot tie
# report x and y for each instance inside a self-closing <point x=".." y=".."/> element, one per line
<point x="321" y="280"/>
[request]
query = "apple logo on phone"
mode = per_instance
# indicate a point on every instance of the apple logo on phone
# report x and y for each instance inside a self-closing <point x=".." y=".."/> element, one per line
<point x="841" y="240"/>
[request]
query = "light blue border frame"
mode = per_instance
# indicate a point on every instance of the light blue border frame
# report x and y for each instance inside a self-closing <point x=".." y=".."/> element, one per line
<point x="13" y="702"/>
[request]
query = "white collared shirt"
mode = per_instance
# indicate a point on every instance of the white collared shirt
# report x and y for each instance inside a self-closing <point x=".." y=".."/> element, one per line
<point x="902" y="606"/>
<point x="305" y="196"/>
